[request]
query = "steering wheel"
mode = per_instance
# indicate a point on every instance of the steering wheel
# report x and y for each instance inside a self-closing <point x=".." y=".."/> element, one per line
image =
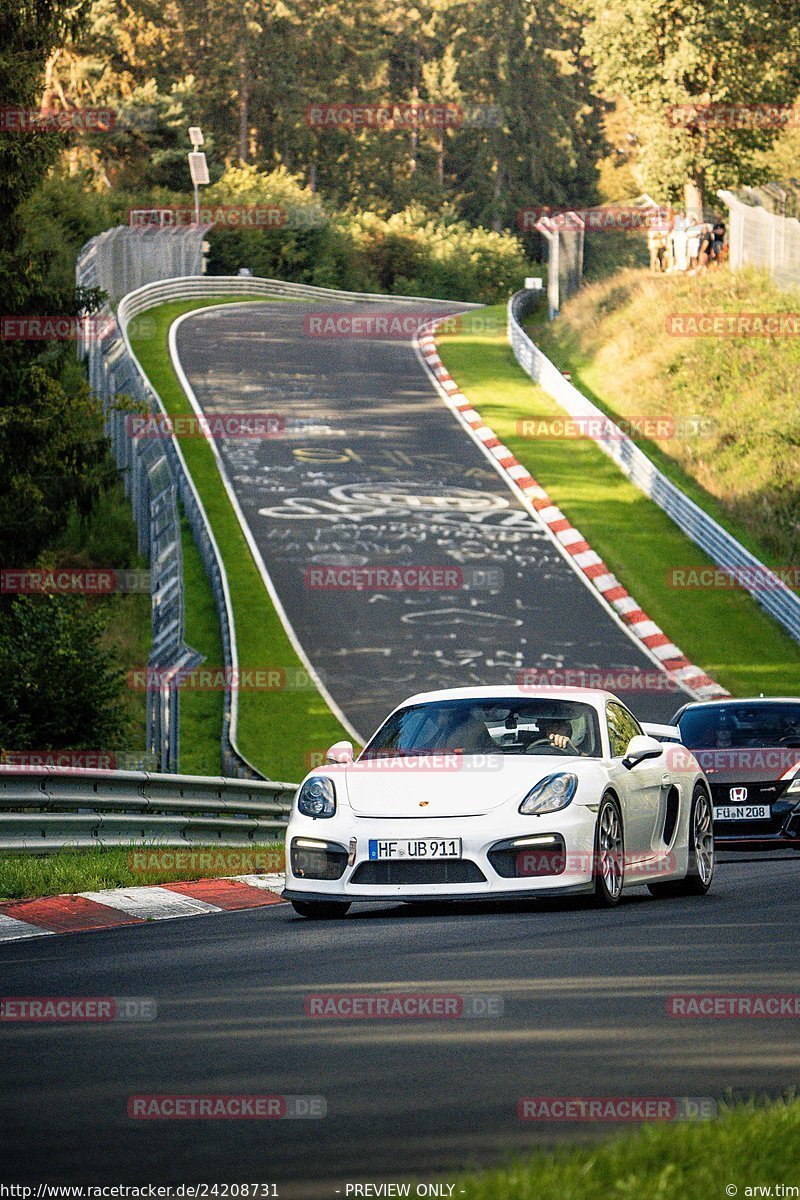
<point x="531" y="747"/>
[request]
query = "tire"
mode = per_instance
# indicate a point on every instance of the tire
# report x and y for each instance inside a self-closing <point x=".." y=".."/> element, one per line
<point x="698" y="877"/>
<point x="320" y="910"/>
<point x="609" y="854"/>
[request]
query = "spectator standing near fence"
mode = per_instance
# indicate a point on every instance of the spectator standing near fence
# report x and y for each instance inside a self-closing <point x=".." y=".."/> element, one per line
<point x="695" y="229"/>
<point x="657" y="246"/>
<point x="677" y="243"/>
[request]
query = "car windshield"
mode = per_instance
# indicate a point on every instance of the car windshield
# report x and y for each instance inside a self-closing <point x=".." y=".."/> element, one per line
<point x="739" y="726"/>
<point x="475" y="726"/>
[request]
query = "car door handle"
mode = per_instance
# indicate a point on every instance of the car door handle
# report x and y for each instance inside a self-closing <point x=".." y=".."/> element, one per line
<point x="666" y="779"/>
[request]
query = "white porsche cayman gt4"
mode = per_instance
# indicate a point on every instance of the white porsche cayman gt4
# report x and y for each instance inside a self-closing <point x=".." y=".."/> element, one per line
<point x="501" y="793"/>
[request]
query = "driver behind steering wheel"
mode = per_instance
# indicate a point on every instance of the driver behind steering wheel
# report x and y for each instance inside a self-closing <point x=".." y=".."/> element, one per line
<point x="558" y="733"/>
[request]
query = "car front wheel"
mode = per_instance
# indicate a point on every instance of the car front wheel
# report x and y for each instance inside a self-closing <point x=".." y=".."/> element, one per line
<point x="609" y="847"/>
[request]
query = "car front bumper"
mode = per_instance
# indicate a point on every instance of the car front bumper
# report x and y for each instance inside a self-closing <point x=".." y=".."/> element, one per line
<point x="427" y="879"/>
<point x="780" y="831"/>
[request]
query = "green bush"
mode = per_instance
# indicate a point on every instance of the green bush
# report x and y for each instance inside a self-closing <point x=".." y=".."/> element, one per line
<point x="413" y="252"/>
<point x="61" y="686"/>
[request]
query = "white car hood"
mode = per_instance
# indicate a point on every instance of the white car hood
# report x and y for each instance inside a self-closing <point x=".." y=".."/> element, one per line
<point x="445" y="786"/>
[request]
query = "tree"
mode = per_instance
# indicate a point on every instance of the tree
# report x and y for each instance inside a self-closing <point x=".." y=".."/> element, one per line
<point x="672" y="61"/>
<point x="60" y="688"/>
<point x="526" y="61"/>
<point x="53" y="455"/>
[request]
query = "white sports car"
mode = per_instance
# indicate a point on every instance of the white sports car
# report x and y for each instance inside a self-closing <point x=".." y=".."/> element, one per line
<point x="497" y="793"/>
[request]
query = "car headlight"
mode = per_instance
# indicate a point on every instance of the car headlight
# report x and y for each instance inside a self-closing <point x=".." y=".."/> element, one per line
<point x="794" y="786"/>
<point x="317" y="797"/>
<point x="550" y="794"/>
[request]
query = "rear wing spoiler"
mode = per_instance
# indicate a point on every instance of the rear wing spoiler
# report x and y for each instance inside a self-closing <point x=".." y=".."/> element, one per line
<point x="663" y="733"/>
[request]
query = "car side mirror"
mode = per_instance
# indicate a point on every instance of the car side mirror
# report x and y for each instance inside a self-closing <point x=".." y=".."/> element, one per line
<point x="640" y="748"/>
<point x="339" y="752"/>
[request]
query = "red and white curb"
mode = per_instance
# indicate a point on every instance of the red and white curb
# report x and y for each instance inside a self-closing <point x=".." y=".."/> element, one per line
<point x="21" y="919"/>
<point x="583" y="558"/>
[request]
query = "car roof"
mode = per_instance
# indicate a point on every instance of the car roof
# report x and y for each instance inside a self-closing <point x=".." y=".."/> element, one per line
<point x="740" y="700"/>
<point x="594" y="696"/>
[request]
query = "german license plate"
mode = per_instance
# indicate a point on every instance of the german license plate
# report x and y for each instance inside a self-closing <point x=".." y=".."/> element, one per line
<point x="741" y="812"/>
<point x="415" y="848"/>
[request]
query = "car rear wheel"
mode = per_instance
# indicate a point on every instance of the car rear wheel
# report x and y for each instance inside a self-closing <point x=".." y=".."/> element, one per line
<point x="320" y="910"/>
<point x="701" y="852"/>
<point x="609" y="846"/>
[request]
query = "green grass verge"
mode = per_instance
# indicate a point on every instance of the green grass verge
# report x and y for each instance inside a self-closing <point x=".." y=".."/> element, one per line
<point x="725" y="632"/>
<point x="279" y="729"/>
<point x="26" y="876"/>
<point x="201" y="713"/>
<point x="746" y="1148"/>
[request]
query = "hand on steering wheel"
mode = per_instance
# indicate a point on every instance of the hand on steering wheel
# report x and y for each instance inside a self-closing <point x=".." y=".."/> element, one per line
<point x="559" y="740"/>
<point x="553" y="741"/>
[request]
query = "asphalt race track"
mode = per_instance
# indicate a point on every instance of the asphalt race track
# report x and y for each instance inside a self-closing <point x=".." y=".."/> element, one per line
<point x="373" y="469"/>
<point x="584" y="995"/>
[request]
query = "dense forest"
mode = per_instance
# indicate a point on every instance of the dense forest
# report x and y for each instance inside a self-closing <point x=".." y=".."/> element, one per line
<point x="492" y="104"/>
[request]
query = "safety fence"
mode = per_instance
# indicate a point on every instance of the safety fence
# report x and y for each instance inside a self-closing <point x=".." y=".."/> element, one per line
<point x="565" y="247"/>
<point x="760" y="238"/>
<point x="45" y="809"/>
<point x="724" y="550"/>
<point x="122" y="259"/>
<point x="150" y="481"/>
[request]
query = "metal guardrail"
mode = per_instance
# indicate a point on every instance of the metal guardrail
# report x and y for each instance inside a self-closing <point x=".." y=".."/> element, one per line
<point x="184" y="288"/>
<point x="150" y="483"/>
<point x="722" y="548"/>
<point x="45" y="809"/>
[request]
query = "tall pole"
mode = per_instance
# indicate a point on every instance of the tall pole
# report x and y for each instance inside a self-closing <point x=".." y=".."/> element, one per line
<point x="198" y="167"/>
